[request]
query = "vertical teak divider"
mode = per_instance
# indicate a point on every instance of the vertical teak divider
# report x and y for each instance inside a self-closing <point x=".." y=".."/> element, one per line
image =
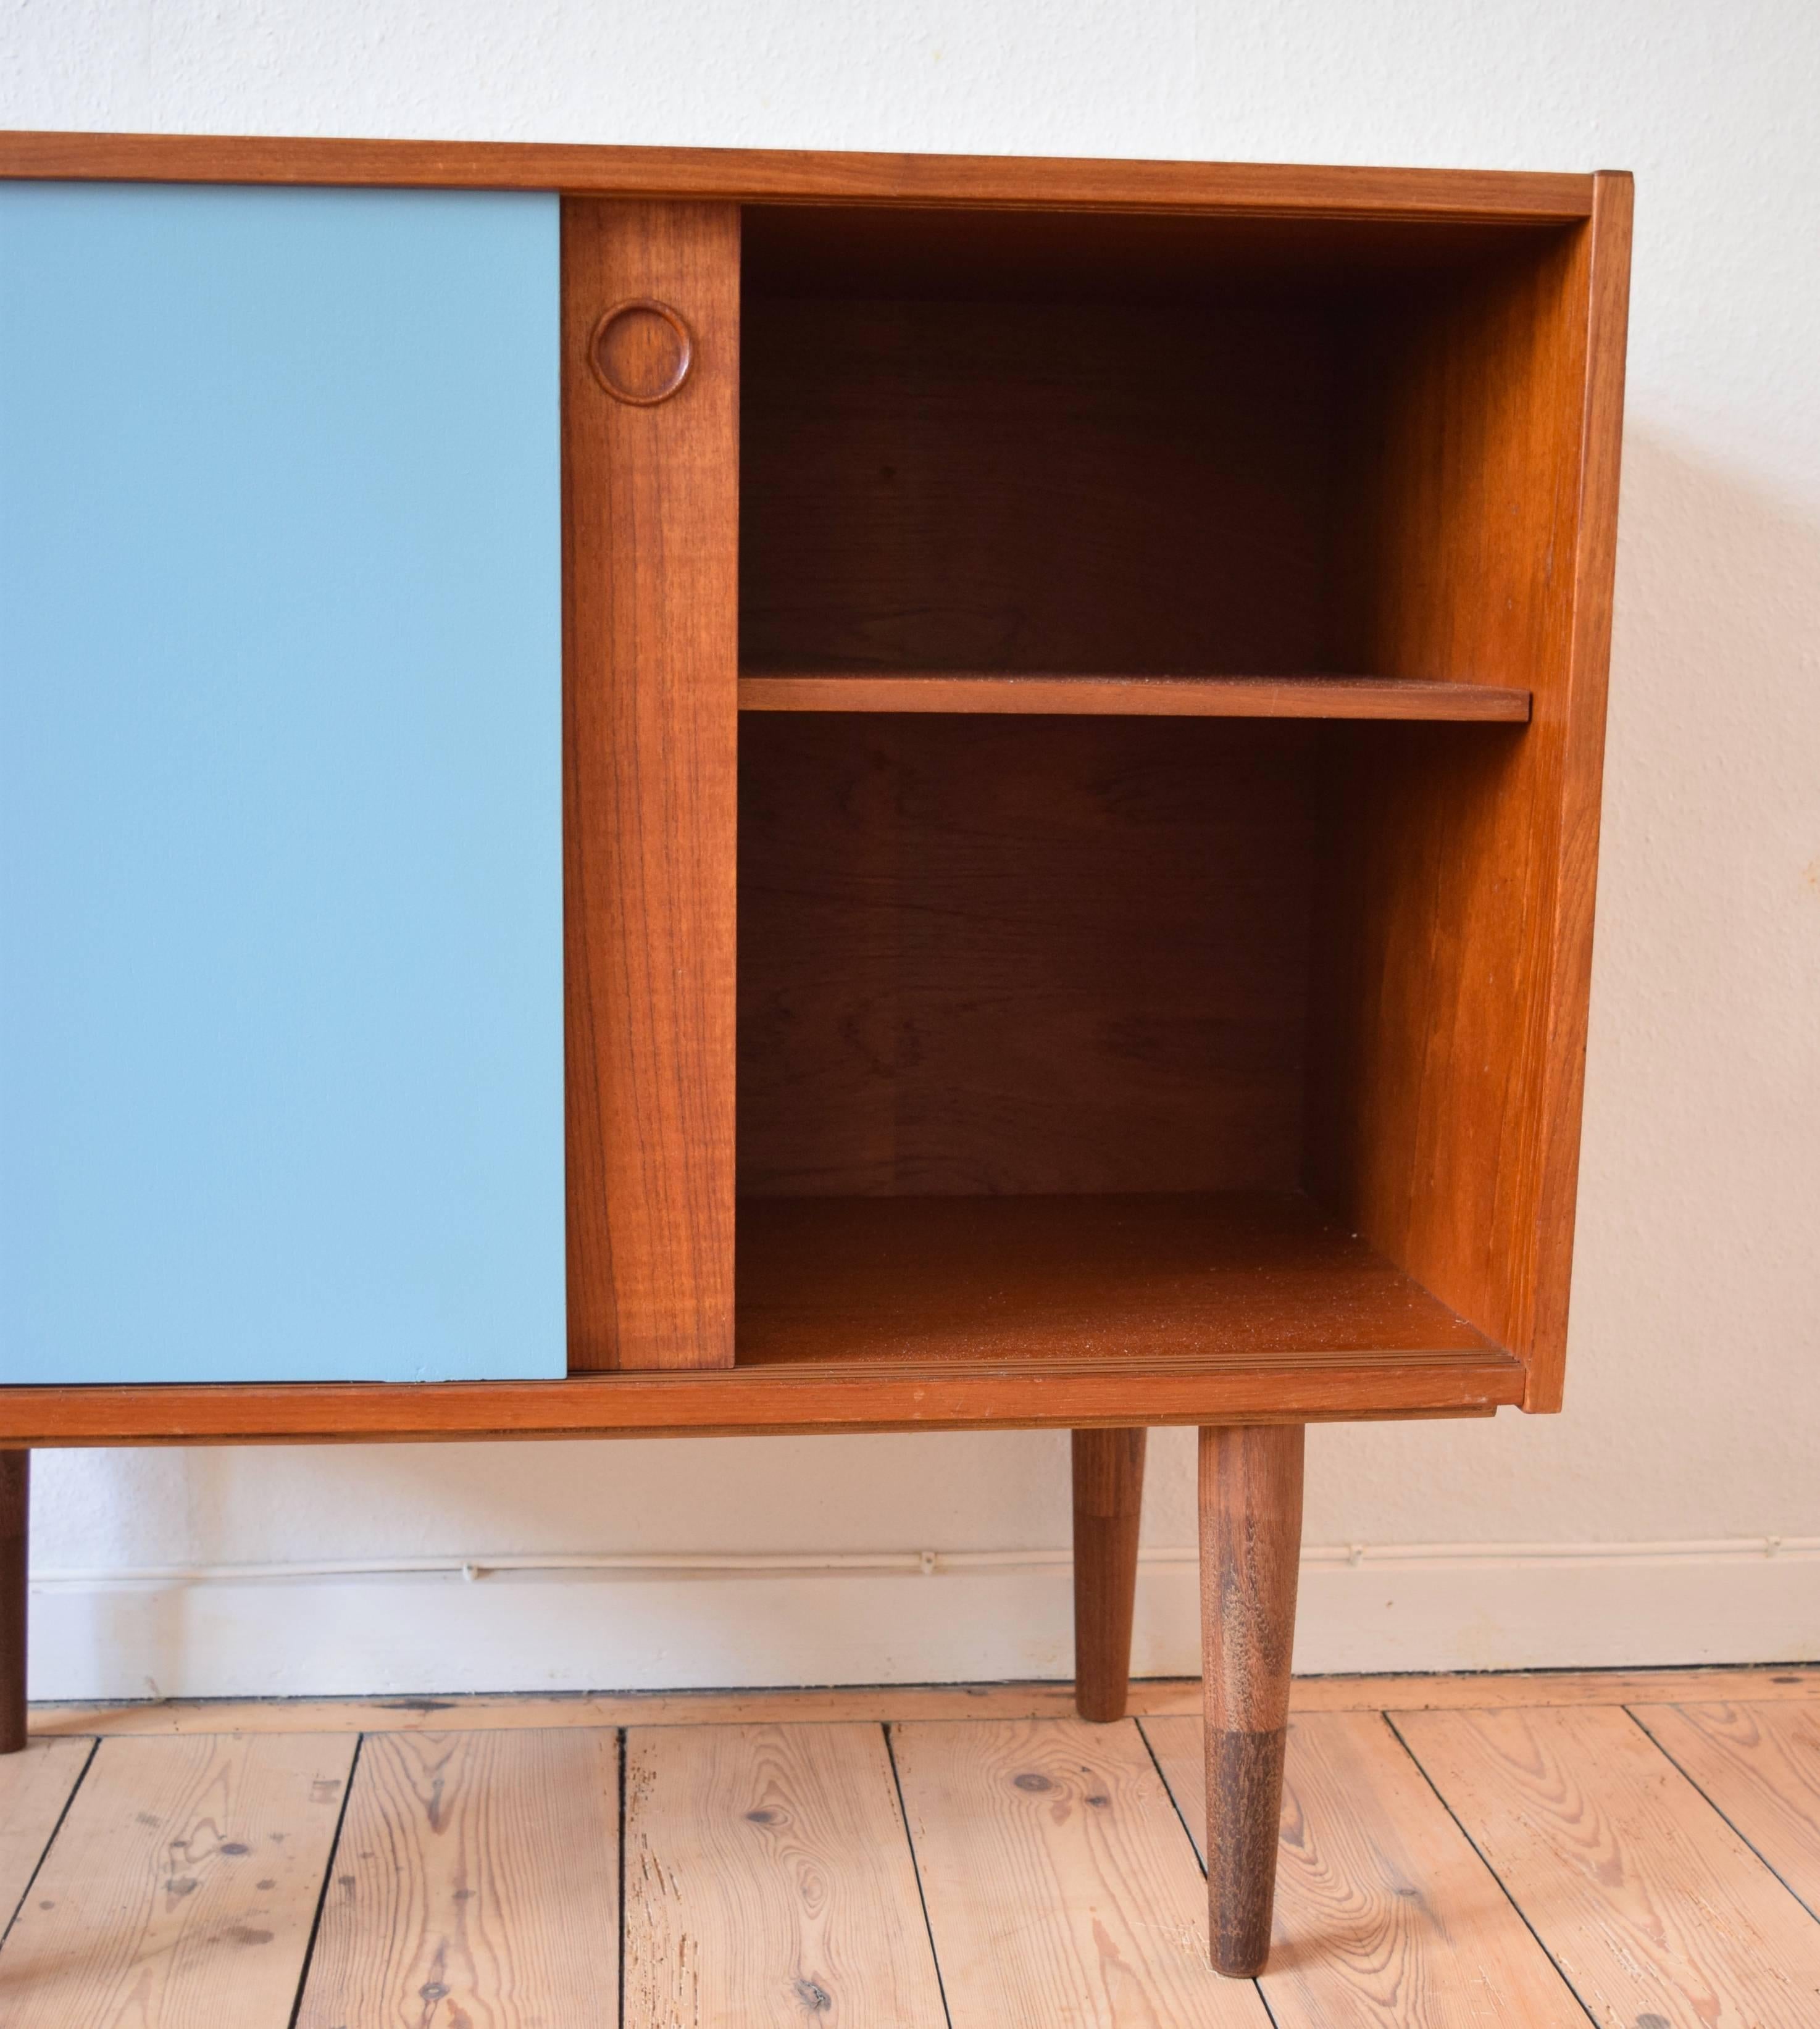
<point x="651" y="498"/>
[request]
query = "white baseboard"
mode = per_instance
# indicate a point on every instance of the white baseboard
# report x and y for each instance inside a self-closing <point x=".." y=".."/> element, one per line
<point x="575" y="1623"/>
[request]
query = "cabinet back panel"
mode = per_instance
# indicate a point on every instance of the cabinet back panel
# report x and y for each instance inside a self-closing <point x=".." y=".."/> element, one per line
<point x="1015" y="955"/>
<point x="280" y="873"/>
<point x="1142" y="488"/>
<point x="984" y="252"/>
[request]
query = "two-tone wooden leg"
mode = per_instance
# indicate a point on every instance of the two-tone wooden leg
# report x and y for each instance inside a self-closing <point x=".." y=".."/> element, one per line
<point x="1108" y="1475"/>
<point x="1250" y="1551"/>
<point x="15" y="1519"/>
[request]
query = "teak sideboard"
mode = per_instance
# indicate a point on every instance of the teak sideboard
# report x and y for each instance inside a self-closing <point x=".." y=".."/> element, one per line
<point x="669" y="791"/>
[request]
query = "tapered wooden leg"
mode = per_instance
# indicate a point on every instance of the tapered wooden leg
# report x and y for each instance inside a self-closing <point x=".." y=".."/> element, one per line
<point x="1109" y="1498"/>
<point x="1250" y="1550"/>
<point x="15" y="1513"/>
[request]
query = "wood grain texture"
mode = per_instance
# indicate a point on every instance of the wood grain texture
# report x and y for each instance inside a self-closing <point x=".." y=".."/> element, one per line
<point x="1131" y="697"/>
<point x="1386" y="1918"/>
<point x="1175" y="257"/>
<point x="1011" y="421"/>
<point x="1037" y="487"/>
<point x="1568" y="968"/>
<point x="1034" y="953"/>
<point x="1250" y="1518"/>
<point x="34" y="1786"/>
<point x="863" y="1394"/>
<point x="1758" y="1765"/>
<point x="180" y="1892"/>
<point x="651" y="730"/>
<point x="1034" y="1280"/>
<point x="1056" y="1896"/>
<point x="980" y="491"/>
<point x="1454" y="908"/>
<point x="1524" y="1690"/>
<point x="1006" y="956"/>
<point x="768" y="1879"/>
<point x="1651" y="1904"/>
<point x="15" y="1594"/>
<point x="476" y="1882"/>
<point x="1174" y="1697"/>
<point x="738" y="174"/>
<point x="1060" y="1886"/>
<point x="861" y="1313"/>
<point x="1108" y="1468"/>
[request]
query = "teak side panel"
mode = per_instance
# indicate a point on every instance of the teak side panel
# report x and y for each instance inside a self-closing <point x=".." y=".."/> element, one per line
<point x="1450" y="1020"/>
<point x="1569" y="970"/>
<point x="650" y="710"/>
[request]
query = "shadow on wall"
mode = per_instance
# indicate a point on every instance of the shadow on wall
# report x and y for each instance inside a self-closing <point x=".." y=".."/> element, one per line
<point x="1696" y="1280"/>
<point x="1701" y="1170"/>
<point x="1696" y="1291"/>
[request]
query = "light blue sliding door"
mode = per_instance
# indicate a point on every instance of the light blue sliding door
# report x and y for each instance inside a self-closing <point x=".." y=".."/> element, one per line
<point x="281" y="881"/>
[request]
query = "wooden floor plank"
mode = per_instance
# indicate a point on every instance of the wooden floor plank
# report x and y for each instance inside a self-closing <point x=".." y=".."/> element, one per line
<point x="1386" y="1918"/>
<point x="476" y="1882"/>
<point x="460" y="1711"/>
<point x="768" y="1879"/>
<point x="34" y="1786"/>
<point x="1759" y="1765"/>
<point x="1655" y="1910"/>
<point x="1061" y="1890"/>
<point x="180" y="1891"/>
<point x="1509" y="1691"/>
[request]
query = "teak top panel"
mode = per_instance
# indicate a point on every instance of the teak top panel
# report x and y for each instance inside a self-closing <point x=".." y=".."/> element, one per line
<point x="755" y="174"/>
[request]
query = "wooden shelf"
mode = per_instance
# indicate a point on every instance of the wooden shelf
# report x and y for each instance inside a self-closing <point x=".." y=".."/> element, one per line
<point x="1232" y="1276"/>
<point x="1121" y="696"/>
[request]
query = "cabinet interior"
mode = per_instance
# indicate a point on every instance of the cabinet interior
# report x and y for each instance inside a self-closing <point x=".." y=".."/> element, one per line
<point x="995" y="955"/>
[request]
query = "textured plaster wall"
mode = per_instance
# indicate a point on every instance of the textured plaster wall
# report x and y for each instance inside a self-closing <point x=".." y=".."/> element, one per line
<point x="1694" y="1396"/>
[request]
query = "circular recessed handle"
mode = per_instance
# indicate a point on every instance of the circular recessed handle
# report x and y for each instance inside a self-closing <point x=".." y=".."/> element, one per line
<point x="641" y="351"/>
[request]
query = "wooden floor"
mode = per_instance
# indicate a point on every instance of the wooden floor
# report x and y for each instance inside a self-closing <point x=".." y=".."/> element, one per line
<point x="1640" y="1851"/>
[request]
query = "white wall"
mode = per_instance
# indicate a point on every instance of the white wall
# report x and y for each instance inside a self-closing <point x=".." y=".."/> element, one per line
<point x="1688" y="1454"/>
